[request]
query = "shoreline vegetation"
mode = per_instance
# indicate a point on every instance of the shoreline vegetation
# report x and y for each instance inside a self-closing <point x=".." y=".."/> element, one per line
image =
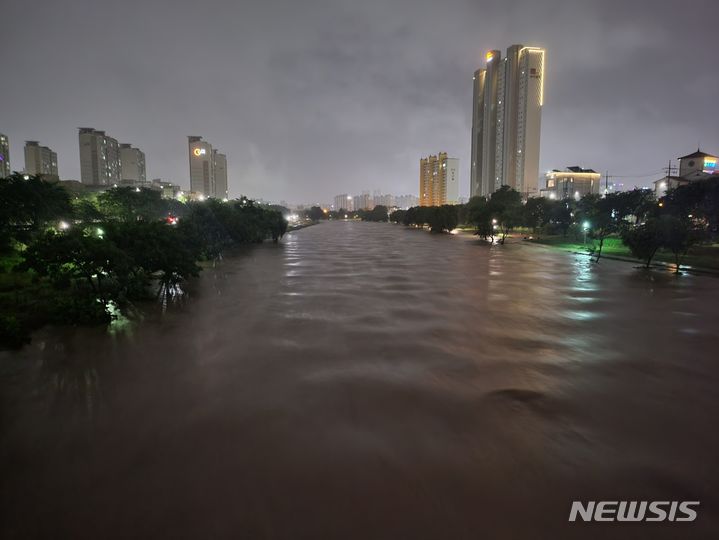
<point x="678" y="231"/>
<point x="81" y="258"/>
<point x="69" y="258"/>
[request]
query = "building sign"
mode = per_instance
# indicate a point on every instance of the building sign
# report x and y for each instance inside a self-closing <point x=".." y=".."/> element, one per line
<point x="199" y="152"/>
<point x="710" y="165"/>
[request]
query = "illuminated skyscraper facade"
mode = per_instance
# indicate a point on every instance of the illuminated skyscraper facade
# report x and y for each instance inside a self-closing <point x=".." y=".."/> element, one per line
<point x="506" y="121"/>
<point x="438" y="180"/>
<point x="208" y="169"/>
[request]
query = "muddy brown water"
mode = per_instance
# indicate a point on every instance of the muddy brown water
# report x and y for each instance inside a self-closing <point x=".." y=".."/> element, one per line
<point x="366" y="381"/>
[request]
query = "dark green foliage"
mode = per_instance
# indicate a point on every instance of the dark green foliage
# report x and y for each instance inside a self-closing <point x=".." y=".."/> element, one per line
<point x="129" y="203"/>
<point x="28" y="206"/>
<point x="315" y="213"/>
<point x="438" y="218"/>
<point x="643" y="240"/>
<point x="378" y="213"/>
<point x="505" y="206"/>
<point x="536" y="213"/>
<point x="700" y="200"/>
<point x="479" y="214"/>
<point x="110" y="248"/>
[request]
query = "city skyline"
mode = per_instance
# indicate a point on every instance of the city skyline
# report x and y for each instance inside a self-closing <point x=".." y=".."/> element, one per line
<point x="308" y="86"/>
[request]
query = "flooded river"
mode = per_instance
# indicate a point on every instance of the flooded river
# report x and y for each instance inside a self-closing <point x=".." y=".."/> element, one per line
<point x="363" y="381"/>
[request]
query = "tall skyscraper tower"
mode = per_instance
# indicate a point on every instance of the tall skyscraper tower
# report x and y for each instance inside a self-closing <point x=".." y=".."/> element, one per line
<point x="132" y="164"/>
<point x="40" y="160"/>
<point x="4" y="156"/>
<point x="99" y="158"/>
<point x="202" y="169"/>
<point x="220" y="161"/>
<point x="438" y="180"/>
<point x="506" y="121"/>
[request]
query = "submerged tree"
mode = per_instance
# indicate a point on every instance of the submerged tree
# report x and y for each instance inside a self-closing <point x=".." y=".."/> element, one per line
<point x="506" y="207"/>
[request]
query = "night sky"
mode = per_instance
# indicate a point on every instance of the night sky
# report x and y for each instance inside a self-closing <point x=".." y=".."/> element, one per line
<point x="310" y="99"/>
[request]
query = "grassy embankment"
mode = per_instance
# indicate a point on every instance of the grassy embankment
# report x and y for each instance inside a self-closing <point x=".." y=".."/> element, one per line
<point x="701" y="257"/>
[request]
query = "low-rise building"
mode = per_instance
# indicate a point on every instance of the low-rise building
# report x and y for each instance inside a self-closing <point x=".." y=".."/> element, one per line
<point x="571" y="183"/>
<point x="692" y="167"/>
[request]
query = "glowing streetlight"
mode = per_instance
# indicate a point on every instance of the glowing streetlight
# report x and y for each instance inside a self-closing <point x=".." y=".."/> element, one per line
<point x="585" y="227"/>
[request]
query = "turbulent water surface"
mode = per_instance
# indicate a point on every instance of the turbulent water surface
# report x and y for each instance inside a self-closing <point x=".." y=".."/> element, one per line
<point x="370" y="381"/>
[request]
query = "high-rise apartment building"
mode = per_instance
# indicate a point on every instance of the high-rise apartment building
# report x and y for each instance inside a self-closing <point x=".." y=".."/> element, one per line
<point x="438" y="180"/>
<point x="208" y="169"/>
<point x="132" y="164"/>
<point x="99" y="158"/>
<point x="363" y="201"/>
<point x="404" y="202"/>
<point x="4" y="156"/>
<point x="344" y="202"/>
<point x="220" y="162"/>
<point x="506" y="121"/>
<point x="40" y="160"/>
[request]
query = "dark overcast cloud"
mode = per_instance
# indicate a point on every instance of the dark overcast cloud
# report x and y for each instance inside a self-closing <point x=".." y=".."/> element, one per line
<point x="314" y="98"/>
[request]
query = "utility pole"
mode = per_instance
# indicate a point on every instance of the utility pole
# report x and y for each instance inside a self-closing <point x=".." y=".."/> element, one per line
<point x="670" y="169"/>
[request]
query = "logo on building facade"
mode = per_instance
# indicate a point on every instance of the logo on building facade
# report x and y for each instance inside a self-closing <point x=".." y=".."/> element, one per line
<point x="199" y="152"/>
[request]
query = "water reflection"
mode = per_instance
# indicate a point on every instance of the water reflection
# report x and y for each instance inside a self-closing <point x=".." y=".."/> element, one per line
<point x="368" y="381"/>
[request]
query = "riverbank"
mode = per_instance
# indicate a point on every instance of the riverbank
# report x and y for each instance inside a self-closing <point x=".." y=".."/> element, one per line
<point x="701" y="258"/>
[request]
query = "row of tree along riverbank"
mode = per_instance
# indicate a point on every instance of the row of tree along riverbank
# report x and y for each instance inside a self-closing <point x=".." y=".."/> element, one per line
<point x="686" y="218"/>
<point x="68" y="259"/>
